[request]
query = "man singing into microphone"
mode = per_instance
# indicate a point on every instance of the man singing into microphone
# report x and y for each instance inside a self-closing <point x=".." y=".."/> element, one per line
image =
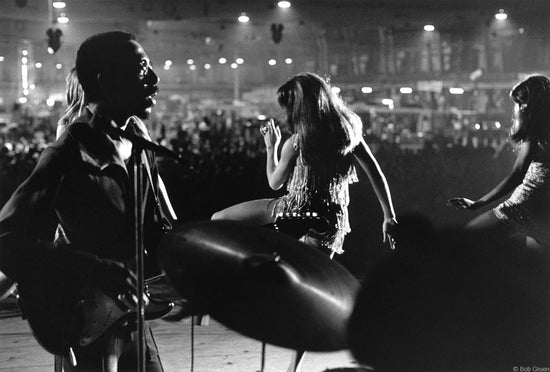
<point x="70" y="225"/>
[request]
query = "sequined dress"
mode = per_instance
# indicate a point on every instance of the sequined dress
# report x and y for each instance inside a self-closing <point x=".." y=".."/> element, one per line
<point x="322" y="188"/>
<point x="528" y="208"/>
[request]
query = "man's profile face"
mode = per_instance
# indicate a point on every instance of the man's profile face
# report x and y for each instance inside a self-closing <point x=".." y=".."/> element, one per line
<point x="133" y="83"/>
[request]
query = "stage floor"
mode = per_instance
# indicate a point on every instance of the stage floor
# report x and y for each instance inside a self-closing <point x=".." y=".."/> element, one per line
<point x="217" y="349"/>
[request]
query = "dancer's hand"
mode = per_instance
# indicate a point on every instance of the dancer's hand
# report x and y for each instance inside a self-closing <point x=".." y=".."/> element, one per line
<point x="388" y="230"/>
<point x="271" y="133"/>
<point x="463" y="203"/>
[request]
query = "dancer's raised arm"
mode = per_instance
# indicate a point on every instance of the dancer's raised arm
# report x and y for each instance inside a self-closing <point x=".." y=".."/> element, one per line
<point x="367" y="161"/>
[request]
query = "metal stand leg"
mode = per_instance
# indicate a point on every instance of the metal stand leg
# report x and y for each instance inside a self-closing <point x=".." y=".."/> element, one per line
<point x="262" y="365"/>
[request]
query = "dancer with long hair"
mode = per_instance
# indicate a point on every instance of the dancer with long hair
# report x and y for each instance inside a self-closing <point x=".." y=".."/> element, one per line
<point x="76" y="102"/>
<point x="316" y="163"/>
<point x="527" y="210"/>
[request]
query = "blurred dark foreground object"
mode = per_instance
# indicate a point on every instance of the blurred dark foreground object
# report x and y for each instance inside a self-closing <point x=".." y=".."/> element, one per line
<point x="453" y="301"/>
<point x="262" y="283"/>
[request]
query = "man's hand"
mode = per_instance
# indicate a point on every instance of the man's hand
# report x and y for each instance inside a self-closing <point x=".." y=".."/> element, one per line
<point x="116" y="281"/>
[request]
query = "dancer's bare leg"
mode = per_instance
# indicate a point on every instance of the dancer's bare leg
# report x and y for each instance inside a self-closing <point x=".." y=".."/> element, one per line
<point x="253" y="212"/>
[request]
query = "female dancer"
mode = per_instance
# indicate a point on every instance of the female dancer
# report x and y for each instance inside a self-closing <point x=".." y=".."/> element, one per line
<point x="75" y="102"/>
<point x="527" y="210"/>
<point x="316" y="163"/>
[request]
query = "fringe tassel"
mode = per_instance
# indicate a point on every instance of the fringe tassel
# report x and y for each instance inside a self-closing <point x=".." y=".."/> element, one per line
<point x="324" y="184"/>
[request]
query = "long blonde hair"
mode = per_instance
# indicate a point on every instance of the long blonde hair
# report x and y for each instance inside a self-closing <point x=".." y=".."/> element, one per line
<point x="76" y="102"/>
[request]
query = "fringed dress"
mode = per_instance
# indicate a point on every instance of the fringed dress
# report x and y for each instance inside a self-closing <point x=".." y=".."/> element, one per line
<point x="528" y="208"/>
<point x="322" y="188"/>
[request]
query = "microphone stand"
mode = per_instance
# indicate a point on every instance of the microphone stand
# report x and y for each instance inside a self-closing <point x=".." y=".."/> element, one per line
<point x="139" y="144"/>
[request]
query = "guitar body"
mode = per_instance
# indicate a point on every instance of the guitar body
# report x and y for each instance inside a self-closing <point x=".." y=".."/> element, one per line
<point x="62" y="317"/>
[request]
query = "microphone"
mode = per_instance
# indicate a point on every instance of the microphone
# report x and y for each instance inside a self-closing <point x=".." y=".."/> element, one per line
<point x="144" y="144"/>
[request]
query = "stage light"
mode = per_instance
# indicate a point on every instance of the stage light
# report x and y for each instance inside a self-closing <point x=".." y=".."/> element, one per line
<point x="429" y="28"/>
<point x="477" y="126"/>
<point x="166" y="67"/>
<point x="192" y="67"/>
<point x="1" y="58"/>
<point x="288" y="61"/>
<point x="22" y="100"/>
<point x="240" y="61"/>
<point x="207" y="66"/>
<point x="168" y="62"/>
<point x="262" y="117"/>
<point x="456" y="90"/>
<point x="521" y="30"/>
<point x="32" y="86"/>
<point x="59" y="66"/>
<point x="366" y="90"/>
<point x="24" y="60"/>
<point x="336" y="90"/>
<point x="388" y="102"/>
<point x="24" y="52"/>
<point x="272" y="62"/>
<point x="50" y="50"/>
<point x="190" y="61"/>
<point x="497" y="124"/>
<point x="243" y="18"/>
<point x="405" y="90"/>
<point x="284" y="4"/>
<point x="63" y="18"/>
<point x="38" y="65"/>
<point x="501" y="16"/>
<point x="59" y="4"/>
<point x="234" y="65"/>
<point x="50" y="101"/>
<point x="222" y="60"/>
<point x="25" y="92"/>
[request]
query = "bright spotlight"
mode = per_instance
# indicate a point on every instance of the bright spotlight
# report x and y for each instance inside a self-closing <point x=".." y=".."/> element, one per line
<point x="243" y="18"/>
<point x="166" y="67"/>
<point x="207" y="66"/>
<point x="24" y="60"/>
<point x="288" y="61"/>
<point x="405" y="90"/>
<point x="63" y="18"/>
<point x="501" y="16"/>
<point x="59" y="66"/>
<point x="388" y="102"/>
<point x="22" y="99"/>
<point x="222" y="60"/>
<point x="283" y="4"/>
<point x="59" y="4"/>
<point x="336" y="90"/>
<point x="168" y="62"/>
<point x="456" y="90"/>
<point x="429" y="28"/>
<point x="240" y="61"/>
<point x="477" y="126"/>
<point x="190" y="61"/>
<point x="38" y="65"/>
<point x="366" y="90"/>
<point x="192" y="67"/>
<point x="50" y="50"/>
<point x="272" y="62"/>
<point x="497" y="124"/>
<point x="24" y="52"/>
<point x="2" y="58"/>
